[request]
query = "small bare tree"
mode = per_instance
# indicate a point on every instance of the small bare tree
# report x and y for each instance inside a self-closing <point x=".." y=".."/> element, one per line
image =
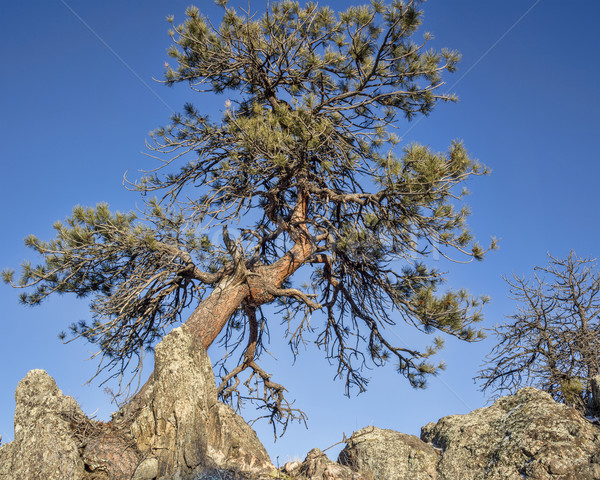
<point x="554" y="339"/>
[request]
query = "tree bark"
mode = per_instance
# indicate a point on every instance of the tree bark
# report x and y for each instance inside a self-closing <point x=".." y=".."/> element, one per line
<point x="254" y="286"/>
<point x="212" y="314"/>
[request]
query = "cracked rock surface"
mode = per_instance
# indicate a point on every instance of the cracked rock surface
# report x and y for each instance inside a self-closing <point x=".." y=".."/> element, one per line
<point x="526" y="435"/>
<point x="176" y="429"/>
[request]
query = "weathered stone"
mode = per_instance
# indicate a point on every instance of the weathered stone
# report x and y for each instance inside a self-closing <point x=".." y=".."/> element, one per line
<point x="176" y="424"/>
<point x="526" y="435"/>
<point x="109" y="450"/>
<point x="390" y="455"/>
<point x="175" y="429"/>
<point x="317" y="466"/>
<point x="291" y="467"/>
<point x="44" y="446"/>
<point x="147" y="470"/>
<point x="178" y="420"/>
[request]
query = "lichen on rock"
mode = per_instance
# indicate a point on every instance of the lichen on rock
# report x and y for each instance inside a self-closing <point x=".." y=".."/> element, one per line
<point x="317" y="466"/>
<point x="174" y="428"/>
<point x="44" y="446"/>
<point x="390" y="455"/>
<point x="526" y="435"/>
<point x="178" y="420"/>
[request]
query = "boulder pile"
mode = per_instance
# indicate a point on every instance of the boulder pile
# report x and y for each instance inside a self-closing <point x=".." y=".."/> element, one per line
<point x="175" y="428"/>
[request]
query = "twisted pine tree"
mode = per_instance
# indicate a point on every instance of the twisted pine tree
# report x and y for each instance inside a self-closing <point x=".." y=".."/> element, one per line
<point x="305" y="163"/>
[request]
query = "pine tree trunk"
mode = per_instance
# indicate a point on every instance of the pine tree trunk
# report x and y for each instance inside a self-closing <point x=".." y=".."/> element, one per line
<point x="212" y="314"/>
<point x="257" y="286"/>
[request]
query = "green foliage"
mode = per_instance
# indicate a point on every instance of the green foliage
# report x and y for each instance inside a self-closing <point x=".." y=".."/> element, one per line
<point x="305" y="156"/>
<point x="137" y="274"/>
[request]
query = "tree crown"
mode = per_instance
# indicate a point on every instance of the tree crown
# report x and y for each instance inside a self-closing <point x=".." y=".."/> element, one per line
<point x="305" y="162"/>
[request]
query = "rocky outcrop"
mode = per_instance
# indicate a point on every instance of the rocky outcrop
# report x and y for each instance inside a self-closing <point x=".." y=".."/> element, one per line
<point x="390" y="455"/>
<point x="44" y="444"/>
<point x="174" y="428"/>
<point x="317" y="466"/>
<point x="526" y="435"/>
<point x="179" y="426"/>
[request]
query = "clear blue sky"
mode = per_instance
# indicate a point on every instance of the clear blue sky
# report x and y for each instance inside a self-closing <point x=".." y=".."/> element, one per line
<point x="78" y="101"/>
